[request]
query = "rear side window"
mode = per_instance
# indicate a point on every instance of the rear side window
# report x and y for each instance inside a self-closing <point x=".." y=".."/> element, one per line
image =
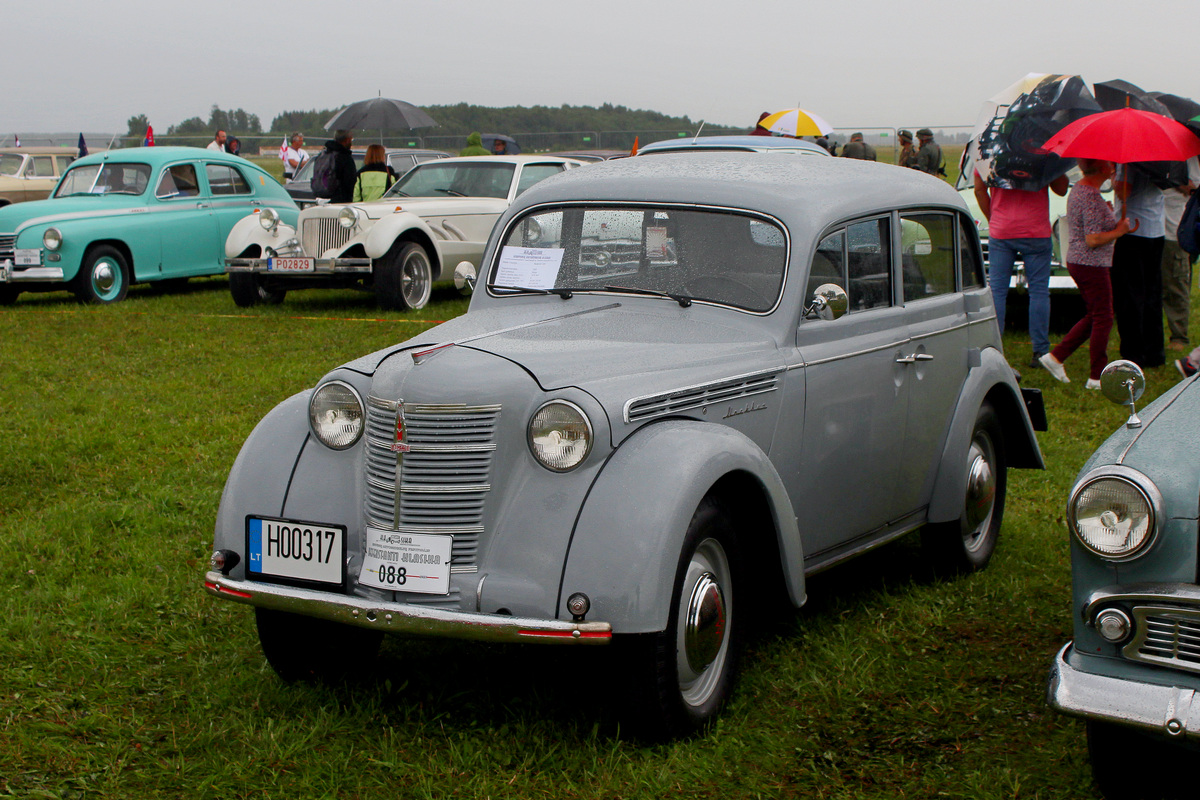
<point x="43" y="166"/>
<point x="970" y="270"/>
<point x="224" y="179"/>
<point x="928" y="245"/>
<point x="532" y="173"/>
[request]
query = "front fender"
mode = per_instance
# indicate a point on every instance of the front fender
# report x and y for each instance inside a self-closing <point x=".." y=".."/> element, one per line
<point x="247" y="233"/>
<point x="387" y="229"/>
<point x="626" y="544"/>
<point x="990" y="381"/>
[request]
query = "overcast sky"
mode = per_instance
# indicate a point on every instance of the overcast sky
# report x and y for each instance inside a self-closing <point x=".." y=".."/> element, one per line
<point x="71" y="65"/>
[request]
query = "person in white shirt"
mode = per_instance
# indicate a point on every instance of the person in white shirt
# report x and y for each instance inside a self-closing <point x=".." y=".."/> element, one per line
<point x="218" y="142"/>
<point x="294" y="157"/>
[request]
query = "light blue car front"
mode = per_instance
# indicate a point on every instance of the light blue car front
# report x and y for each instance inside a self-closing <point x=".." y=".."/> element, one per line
<point x="129" y="216"/>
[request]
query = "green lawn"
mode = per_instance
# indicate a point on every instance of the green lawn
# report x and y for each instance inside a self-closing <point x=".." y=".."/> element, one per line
<point x="121" y="678"/>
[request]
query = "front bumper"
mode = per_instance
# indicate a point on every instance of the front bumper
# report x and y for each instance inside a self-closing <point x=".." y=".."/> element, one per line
<point x="12" y="274"/>
<point x="321" y="266"/>
<point x="382" y="615"/>
<point x="1170" y="710"/>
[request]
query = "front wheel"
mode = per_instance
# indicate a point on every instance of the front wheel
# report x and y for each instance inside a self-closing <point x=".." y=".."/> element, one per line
<point x="404" y="278"/>
<point x="303" y="648"/>
<point x="693" y="662"/>
<point x="967" y="544"/>
<point x="247" y="290"/>
<point x="1121" y="757"/>
<point x="8" y="295"/>
<point x="103" y="276"/>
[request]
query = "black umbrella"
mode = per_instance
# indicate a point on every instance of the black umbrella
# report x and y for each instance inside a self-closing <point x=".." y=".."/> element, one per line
<point x="383" y="113"/>
<point x="1183" y="109"/>
<point x="1117" y="94"/>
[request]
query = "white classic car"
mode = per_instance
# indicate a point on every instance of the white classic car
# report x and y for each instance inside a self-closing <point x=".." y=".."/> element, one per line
<point x="439" y="213"/>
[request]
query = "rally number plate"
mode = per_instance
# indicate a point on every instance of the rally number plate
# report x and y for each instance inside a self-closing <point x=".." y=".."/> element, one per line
<point x="406" y="562"/>
<point x="296" y="551"/>
<point x="27" y="257"/>
<point x="278" y="264"/>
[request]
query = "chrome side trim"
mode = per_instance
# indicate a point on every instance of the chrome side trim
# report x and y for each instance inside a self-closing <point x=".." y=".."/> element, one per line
<point x="1170" y="710"/>
<point x="706" y="393"/>
<point x="384" y="615"/>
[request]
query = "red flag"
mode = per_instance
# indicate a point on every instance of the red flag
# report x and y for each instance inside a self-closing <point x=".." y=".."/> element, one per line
<point x="18" y="140"/>
<point x="149" y="140"/>
<point x="633" y="152"/>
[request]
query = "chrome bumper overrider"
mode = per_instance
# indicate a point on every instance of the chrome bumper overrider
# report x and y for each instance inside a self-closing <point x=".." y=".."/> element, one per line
<point x="1172" y="710"/>
<point x="9" y="274"/>
<point x="321" y="266"/>
<point x="403" y="618"/>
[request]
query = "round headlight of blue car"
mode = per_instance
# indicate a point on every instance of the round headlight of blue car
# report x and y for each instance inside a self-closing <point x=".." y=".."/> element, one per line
<point x="1114" y="513"/>
<point x="560" y="435"/>
<point x="335" y="414"/>
<point x="52" y="238"/>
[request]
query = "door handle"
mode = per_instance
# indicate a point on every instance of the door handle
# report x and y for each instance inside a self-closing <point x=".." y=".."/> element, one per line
<point x="915" y="357"/>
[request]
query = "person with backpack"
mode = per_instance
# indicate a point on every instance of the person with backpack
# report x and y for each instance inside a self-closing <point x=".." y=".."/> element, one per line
<point x="375" y="177"/>
<point x="929" y="157"/>
<point x="334" y="174"/>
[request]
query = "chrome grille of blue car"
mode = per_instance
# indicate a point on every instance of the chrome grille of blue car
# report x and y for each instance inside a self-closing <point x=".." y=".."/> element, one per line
<point x="1166" y="636"/>
<point x="318" y="234"/>
<point x="8" y="243"/>
<point x="692" y="397"/>
<point x="439" y="485"/>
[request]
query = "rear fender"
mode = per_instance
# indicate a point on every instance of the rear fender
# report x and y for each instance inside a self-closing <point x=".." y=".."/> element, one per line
<point x="626" y="545"/>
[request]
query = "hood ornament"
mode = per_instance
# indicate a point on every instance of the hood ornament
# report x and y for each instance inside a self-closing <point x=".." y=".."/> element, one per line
<point x="399" y="445"/>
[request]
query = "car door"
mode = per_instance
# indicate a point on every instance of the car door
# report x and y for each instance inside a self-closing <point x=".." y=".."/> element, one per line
<point x="191" y="242"/>
<point x="840" y="451"/>
<point x="936" y="359"/>
<point x="233" y="198"/>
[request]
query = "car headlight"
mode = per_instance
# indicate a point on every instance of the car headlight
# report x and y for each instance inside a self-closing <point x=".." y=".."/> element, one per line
<point x="52" y="238"/>
<point x="335" y="414"/>
<point x="1114" y="513"/>
<point x="560" y="435"/>
<point x="348" y="217"/>
<point x="268" y="218"/>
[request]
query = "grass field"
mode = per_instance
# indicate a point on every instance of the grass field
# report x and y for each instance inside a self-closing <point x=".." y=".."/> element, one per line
<point x="120" y="678"/>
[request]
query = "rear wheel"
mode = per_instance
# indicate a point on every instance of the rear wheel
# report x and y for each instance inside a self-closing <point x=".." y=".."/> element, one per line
<point x="967" y="544"/>
<point x="248" y="290"/>
<point x="103" y="276"/>
<point x="404" y="277"/>
<point x="302" y="648"/>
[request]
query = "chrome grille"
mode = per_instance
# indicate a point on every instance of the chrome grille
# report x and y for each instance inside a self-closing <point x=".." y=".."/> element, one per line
<point x="440" y="484"/>
<point x="674" y="402"/>
<point x="1166" y="636"/>
<point x="8" y="244"/>
<point x="318" y="234"/>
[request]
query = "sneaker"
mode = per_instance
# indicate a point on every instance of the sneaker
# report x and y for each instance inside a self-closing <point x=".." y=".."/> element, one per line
<point x="1185" y="367"/>
<point x="1054" y="367"/>
<point x="1092" y="384"/>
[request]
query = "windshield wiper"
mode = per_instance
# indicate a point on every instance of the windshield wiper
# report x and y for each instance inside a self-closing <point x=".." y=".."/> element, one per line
<point x="565" y="294"/>
<point x="682" y="299"/>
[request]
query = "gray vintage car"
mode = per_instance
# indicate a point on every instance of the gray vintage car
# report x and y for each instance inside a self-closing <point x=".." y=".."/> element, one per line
<point x="684" y="384"/>
<point x="1133" y="669"/>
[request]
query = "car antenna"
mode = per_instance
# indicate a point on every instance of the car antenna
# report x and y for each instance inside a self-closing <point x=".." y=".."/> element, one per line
<point x="697" y="136"/>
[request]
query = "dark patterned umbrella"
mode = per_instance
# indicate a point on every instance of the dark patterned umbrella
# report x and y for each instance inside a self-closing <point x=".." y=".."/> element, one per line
<point x="381" y="113"/>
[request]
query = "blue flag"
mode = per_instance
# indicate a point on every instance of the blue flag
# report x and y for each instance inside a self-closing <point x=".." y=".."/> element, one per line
<point x="82" y="147"/>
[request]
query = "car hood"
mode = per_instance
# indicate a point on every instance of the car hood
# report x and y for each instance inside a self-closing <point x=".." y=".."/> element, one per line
<point x="19" y="215"/>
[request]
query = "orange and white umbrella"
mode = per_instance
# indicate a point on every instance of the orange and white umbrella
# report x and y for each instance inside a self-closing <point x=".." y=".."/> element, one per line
<point x="796" y="122"/>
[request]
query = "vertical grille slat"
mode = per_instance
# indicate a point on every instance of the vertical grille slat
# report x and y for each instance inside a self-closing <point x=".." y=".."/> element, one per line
<point x="319" y="234"/>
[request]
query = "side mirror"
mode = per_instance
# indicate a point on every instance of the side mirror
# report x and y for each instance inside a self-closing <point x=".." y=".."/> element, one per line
<point x="465" y="277"/>
<point x="1123" y="382"/>
<point x="829" y="302"/>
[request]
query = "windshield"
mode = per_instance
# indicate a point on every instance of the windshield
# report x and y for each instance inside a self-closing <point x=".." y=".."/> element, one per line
<point x="471" y="179"/>
<point x="108" y="178"/>
<point x="731" y="258"/>
<point x="10" y="163"/>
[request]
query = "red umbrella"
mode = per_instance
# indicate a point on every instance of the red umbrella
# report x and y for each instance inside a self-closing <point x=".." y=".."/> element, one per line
<point x="1125" y="136"/>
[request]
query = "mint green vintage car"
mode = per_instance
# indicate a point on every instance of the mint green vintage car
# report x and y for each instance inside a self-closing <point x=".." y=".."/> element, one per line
<point x="127" y="216"/>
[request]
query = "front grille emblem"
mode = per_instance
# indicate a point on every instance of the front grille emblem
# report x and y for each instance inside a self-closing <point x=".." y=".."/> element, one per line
<point x="399" y="445"/>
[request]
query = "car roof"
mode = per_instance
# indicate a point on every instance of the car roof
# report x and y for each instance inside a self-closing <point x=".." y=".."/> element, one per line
<point x="41" y="150"/>
<point x="808" y="194"/>
<point x="755" y="143"/>
<point x="156" y="156"/>
<point x="521" y="159"/>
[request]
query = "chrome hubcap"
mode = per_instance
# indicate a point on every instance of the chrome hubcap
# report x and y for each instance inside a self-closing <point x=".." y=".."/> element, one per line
<point x="704" y="629"/>
<point x="702" y="632"/>
<point x="104" y="277"/>
<point x="981" y="489"/>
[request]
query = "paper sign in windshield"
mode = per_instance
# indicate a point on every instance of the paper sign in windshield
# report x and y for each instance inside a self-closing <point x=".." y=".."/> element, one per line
<point x="529" y="267"/>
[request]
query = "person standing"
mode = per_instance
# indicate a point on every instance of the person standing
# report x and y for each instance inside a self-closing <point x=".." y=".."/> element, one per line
<point x="857" y="148"/>
<point x="1092" y="230"/>
<point x="1019" y="226"/>
<point x="759" y="130"/>
<point x="218" y="142"/>
<point x="1137" y="271"/>
<point x="908" y="153"/>
<point x="294" y="156"/>
<point x="1177" y="262"/>
<point x="929" y="157"/>
<point x="343" y="166"/>
<point x="375" y="177"/>
<point x="474" y="146"/>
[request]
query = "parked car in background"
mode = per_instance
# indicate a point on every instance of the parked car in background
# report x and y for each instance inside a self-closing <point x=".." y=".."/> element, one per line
<point x="127" y="216"/>
<point x="779" y="145"/>
<point x="684" y="384"/>
<point x="1132" y="670"/>
<point x="592" y="155"/>
<point x="401" y="160"/>
<point x="29" y="173"/>
<point x="440" y="213"/>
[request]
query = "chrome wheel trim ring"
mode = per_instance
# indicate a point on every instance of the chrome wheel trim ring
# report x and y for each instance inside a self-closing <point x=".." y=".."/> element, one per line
<point x="106" y="278"/>
<point x="981" y="491"/>
<point x="702" y="628"/>
<point x="414" y="279"/>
